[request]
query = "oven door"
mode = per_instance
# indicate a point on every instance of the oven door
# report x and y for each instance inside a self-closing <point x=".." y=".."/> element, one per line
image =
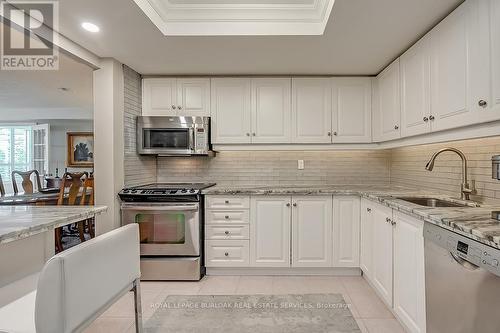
<point x="166" y="141"/>
<point x="167" y="229"/>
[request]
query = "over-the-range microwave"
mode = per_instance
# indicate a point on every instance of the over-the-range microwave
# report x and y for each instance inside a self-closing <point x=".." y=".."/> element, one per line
<point x="173" y="136"/>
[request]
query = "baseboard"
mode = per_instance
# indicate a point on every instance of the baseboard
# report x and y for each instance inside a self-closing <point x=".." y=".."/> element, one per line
<point x="287" y="271"/>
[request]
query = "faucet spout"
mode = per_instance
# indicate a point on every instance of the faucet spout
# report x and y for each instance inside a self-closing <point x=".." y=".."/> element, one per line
<point x="466" y="189"/>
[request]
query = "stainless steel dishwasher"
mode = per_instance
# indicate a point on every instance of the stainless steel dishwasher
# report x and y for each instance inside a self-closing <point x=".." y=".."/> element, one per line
<point x="462" y="283"/>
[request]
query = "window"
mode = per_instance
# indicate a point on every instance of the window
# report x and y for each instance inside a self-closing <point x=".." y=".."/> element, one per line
<point x="15" y="150"/>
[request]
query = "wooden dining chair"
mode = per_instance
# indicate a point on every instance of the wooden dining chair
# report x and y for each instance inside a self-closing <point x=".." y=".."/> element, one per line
<point x="73" y="182"/>
<point x="2" y="188"/>
<point x="26" y="184"/>
<point x="87" y="200"/>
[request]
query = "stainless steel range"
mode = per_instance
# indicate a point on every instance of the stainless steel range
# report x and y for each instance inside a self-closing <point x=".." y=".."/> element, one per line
<point x="170" y="218"/>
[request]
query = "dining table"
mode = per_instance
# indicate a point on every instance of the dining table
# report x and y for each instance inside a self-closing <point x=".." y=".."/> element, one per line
<point x="39" y="198"/>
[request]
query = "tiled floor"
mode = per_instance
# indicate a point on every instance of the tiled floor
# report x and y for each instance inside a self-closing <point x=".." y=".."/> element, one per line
<point x="371" y="314"/>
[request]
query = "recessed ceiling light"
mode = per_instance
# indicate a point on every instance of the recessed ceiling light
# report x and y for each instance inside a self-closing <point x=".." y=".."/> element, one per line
<point x="90" y="27"/>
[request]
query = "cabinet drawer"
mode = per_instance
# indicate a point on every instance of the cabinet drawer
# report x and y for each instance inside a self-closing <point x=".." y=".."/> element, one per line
<point x="230" y="201"/>
<point x="227" y="216"/>
<point x="227" y="231"/>
<point x="227" y="253"/>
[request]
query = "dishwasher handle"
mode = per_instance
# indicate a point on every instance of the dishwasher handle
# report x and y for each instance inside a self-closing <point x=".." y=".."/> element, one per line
<point x="464" y="263"/>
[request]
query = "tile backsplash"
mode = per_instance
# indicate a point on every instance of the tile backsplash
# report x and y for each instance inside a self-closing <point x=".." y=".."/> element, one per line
<point x="408" y="168"/>
<point x="279" y="168"/>
<point x="138" y="169"/>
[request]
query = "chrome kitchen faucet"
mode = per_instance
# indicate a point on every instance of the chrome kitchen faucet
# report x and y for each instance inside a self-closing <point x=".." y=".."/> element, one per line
<point x="466" y="188"/>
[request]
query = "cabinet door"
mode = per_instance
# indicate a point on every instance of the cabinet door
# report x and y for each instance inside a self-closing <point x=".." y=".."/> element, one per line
<point x="159" y="97"/>
<point x="346" y="231"/>
<point x="494" y="21"/>
<point x="271" y="110"/>
<point x="366" y="246"/>
<point x="387" y="104"/>
<point x="409" y="276"/>
<point x="270" y="231"/>
<point x="382" y="252"/>
<point x="311" y="110"/>
<point x="352" y="109"/>
<point x="457" y="73"/>
<point x="230" y="99"/>
<point x="415" y="89"/>
<point x="193" y="97"/>
<point x="312" y="231"/>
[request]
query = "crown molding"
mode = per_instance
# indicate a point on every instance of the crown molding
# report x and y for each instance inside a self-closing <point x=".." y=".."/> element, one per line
<point x="191" y="19"/>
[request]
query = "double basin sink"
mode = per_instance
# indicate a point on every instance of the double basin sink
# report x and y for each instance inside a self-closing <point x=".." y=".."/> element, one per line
<point x="431" y="202"/>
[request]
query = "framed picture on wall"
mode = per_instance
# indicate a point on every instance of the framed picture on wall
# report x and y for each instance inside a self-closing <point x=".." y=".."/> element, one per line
<point x="80" y="149"/>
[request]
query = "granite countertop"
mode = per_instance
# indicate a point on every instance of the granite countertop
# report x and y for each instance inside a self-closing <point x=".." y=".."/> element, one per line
<point x="473" y="221"/>
<point x="18" y="222"/>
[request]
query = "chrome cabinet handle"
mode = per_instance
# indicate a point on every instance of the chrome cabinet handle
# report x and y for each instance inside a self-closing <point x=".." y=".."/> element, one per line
<point x="226" y="232"/>
<point x="426" y="119"/>
<point x="396" y="127"/>
<point x="482" y="103"/>
<point x="226" y="254"/>
<point x="431" y="117"/>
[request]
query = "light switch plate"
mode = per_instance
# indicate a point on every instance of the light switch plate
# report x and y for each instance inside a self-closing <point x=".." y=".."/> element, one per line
<point x="300" y="164"/>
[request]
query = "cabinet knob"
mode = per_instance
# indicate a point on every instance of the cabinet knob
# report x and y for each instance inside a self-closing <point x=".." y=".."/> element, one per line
<point x="426" y="119"/>
<point x="431" y="117"/>
<point x="335" y="133"/>
<point x="329" y="133"/>
<point x="248" y="134"/>
<point x="173" y="107"/>
<point x="226" y="254"/>
<point x="368" y="210"/>
<point x="396" y="127"/>
<point x="294" y="204"/>
<point x="226" y="232"/>
<point x="393" y="222"/>
<point x="288" y="204"/>
<point x="482" y="103"/>
<point x="387" y="220"/>
<point x="179" y="107"/>
<point x="253" y="134"/>
<point x="226" y="217"/>
<point x="227" y="201"/>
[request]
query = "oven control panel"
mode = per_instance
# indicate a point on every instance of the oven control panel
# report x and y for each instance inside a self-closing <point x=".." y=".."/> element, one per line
<point x="463" y="249"/>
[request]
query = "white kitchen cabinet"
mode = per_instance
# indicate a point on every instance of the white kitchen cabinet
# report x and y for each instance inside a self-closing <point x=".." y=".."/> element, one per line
<point x="387" y="104"/>
<point x="226" y="253"/>
<point x="409" y="276"/>
<point x="270" y="231"/>
<point x="366" y="238"/>
<point x="346" y="231"/>
<point x="159" y="97"/>
<point x="231" y="110"/>
<point x="493" y="14"/>
<point x="312" y="231"/>
<point x="172" y="96"/>
<point x="415" y="68"/>
<point x="382" y="252"/>
<point x="311" y="110"/>
<point x="459" y="78"/>
<point x="271" y="110"/>
<point x="193" y="97"/>
<point x="352" y="110"/>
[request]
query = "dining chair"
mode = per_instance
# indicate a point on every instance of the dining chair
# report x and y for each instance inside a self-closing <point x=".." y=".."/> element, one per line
<point x="2" y="188"/>
<point x="72" y="181"/>
<point x="26" y="184"/>
<point x="87" y="199"/>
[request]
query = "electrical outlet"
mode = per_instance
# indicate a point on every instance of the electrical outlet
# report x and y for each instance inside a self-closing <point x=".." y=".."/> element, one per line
<point x="300" y="164"/>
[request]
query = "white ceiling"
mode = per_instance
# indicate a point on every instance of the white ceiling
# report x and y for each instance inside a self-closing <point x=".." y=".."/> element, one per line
<point x="238" y="18"/>
<point x="27" y="95"/>
<point x="361" y="38"/>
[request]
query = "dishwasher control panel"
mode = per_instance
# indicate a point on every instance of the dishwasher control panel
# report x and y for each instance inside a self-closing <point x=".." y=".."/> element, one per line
<point x="463" y="249"/>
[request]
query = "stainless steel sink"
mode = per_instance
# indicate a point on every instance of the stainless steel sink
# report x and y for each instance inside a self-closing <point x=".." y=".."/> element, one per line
<point x="431" y="202"/>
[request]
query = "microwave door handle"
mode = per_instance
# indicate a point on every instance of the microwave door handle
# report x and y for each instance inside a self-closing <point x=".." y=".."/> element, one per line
<point x="191" y="139"/>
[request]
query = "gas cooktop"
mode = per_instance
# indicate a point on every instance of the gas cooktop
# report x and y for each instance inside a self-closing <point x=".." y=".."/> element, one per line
<point x="163" y="191"/>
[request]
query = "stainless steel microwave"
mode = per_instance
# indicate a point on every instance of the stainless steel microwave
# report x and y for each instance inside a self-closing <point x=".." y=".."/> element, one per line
<point x="173" y="136"/>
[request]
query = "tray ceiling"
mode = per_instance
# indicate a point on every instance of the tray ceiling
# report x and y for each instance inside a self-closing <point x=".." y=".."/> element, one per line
<point x="238" y="17"/>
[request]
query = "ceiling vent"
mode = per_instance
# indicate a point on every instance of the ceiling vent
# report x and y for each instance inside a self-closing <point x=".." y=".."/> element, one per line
<point x="238" y="17"/>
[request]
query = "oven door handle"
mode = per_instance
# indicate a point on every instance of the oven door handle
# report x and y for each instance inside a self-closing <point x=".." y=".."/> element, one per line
<point x="161" y="208"/>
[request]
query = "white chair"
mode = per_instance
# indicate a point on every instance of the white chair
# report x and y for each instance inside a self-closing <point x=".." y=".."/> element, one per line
<point x="78" y="285"/>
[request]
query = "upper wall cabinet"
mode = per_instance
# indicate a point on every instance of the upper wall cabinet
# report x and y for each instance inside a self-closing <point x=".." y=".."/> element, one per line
<point x="415" y="69"/>
<point x="231" y="109"/>
<point x="311" y="110"/>
<point x="387" y="104"/>
<point x="494" y="24"/>
<point x="172" y="96"/>
<point x="351" y="112"/>
<point x="271" y="110"/>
